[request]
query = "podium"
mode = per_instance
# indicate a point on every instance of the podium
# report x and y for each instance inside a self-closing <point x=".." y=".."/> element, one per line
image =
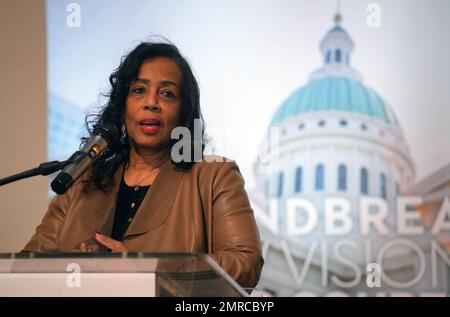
<point x="114" y="274"/>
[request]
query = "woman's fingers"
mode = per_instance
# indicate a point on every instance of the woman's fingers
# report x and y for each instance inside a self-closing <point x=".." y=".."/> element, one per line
<point x="83" y="247"/>
<point x="109" y="243"/>
<point x="114" y="245"/>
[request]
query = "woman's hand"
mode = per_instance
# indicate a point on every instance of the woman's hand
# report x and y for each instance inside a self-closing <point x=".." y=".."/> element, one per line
<point x="102" y="241"/>
<point x="113" y="245"/>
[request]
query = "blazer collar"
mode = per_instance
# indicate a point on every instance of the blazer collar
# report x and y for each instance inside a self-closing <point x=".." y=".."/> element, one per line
<point x="156" y="205"/>
<point x="100" y="208"/>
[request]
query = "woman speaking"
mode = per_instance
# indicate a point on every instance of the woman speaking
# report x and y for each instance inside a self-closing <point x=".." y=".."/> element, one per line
<point x="140" y="199"/>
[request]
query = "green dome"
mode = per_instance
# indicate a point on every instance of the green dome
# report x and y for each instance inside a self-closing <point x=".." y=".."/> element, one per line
<point x="336" y="93"/>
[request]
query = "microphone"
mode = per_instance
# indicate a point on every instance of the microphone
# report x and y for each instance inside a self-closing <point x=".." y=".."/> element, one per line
<point x="104" y="139"/>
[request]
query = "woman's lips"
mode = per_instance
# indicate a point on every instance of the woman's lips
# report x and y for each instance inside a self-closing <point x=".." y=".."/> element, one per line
<point x="150" y="125"/>
<point x="150" y="129"/>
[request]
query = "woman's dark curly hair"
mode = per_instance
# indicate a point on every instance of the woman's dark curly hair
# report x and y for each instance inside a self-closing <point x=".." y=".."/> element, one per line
<point x="101" y="173"/>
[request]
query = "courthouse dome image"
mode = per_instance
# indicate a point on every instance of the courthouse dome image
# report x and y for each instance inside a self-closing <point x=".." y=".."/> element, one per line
<point x="331" y="138"/>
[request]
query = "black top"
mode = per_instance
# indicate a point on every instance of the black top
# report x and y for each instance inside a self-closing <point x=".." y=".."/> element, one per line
<point x="128" y="202"/>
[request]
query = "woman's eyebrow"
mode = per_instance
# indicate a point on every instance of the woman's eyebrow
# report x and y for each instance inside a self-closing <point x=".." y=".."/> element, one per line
<point x="141" y="80"/>
<point x="168" y="83"/>
<point x="163" y="83"/>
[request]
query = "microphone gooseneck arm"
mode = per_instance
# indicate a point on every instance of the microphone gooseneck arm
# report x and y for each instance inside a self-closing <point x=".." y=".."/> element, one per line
<point x="43" y="169"/>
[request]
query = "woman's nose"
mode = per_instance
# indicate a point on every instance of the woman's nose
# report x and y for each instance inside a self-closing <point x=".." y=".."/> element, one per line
<point x="152" y="107"/>
<point x="152" y="102"/>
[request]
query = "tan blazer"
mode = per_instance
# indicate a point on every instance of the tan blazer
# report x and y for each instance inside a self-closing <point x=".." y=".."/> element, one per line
<point x="204" y="209"/>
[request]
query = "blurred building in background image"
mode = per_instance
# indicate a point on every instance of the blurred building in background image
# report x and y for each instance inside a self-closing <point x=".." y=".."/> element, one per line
<point x="65" y="127"/>
<point x="335" y="199"/>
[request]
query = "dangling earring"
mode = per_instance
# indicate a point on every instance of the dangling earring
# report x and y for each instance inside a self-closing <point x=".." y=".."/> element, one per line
<point x="124" y="133"/>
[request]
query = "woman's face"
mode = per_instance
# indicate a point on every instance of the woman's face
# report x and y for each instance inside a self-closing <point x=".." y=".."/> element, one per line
<point x="153" y="104"/>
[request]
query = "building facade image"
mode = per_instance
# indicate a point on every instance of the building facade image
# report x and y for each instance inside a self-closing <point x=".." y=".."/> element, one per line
<point x="334" y="157"/>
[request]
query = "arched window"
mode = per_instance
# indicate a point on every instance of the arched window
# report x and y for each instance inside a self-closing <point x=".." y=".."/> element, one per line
<point x="383" y="191"/>
<point x="364" y="181"/>
<point x="328" y="58"/>
<point x="342" y="177"/>
<point x="338" y="56"/>
<point x="319" y="177"/>
<point x="298" y="179"/>
<point x="280" y="184"/>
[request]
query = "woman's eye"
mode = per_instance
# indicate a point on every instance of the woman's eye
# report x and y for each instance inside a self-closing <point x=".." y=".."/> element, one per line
<point x="138" y="90"/>
<point x="168" y="93"/>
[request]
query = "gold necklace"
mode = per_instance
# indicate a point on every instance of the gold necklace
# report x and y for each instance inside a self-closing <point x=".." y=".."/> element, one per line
<point x="136" y="186"/>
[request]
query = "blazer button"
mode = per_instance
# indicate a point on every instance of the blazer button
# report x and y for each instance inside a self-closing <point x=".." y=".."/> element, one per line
<point x="129" y="220"/>
<point x="133" y="205"/>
